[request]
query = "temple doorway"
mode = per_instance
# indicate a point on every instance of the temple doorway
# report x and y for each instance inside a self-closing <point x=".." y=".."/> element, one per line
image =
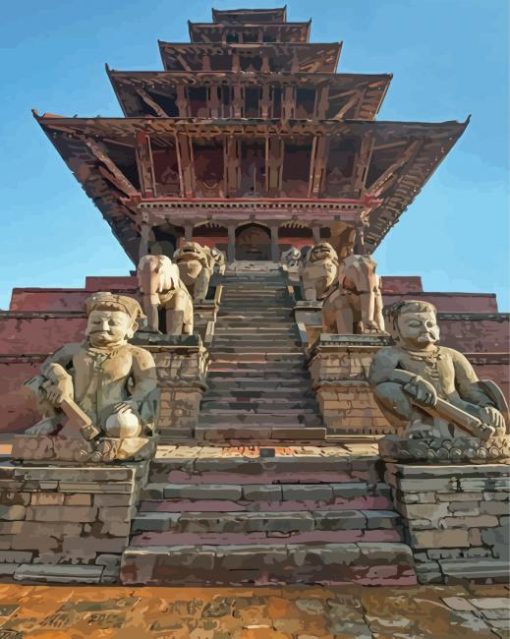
<point x="253" y="242"/>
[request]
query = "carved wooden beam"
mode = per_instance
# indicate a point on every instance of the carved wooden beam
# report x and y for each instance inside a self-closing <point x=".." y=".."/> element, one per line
<point x="237" y="102"/>
<point x="214" y="102"/>
<point x="231" y="165"/>
<point x="288" y="103"/>
<point x="185" y="159"/>
<point x="110" y="170"/>
<point x="362" y="162"/>
<point x="182" y="101"/>
<point x="265" y="102"/>
<point x="158" y="110"/>
<point x="145" y="165"/>
<point x="348" y="105"/>
<point x="389" y="175"/>
<point x="318" y="163"/>
<point x="274" y="163"/>
<point x="322" y="101"/>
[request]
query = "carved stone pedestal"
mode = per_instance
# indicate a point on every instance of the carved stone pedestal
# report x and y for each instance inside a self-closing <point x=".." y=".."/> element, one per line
<point x="181" y="363"/>
<point x="456" y="519"/>
<point x="67" y="523"/>
<point x="339" y="367"/>
<point x="308" y="316"/>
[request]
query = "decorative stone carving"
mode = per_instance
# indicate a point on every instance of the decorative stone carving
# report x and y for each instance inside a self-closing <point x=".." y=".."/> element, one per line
<point x="319" y="271"/>
<point x="219" y="261"/>
<point x="196" y="265"/>
<point x="161" y="286"/>
<point x="99" y="398"/>
<point x="355" y="305"/>
<point x="291" y="259"/>
<point x="432" y="395"/>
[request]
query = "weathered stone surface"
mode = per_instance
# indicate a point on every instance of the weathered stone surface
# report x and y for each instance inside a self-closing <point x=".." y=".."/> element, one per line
<point x="440" y="539"/>
<point x="262" y="493"/>
<point x="58" y="573"/>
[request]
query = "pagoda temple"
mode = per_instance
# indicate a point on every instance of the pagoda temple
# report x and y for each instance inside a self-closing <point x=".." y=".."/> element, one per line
<point x="268" y="462"/>
<point x="249" y="141"/>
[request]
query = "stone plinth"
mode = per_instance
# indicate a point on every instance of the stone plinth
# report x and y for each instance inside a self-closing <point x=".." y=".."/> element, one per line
<point x="308" y="316"/>
<point x="205" y="313"/>
<point x="339" y="366"/>
<point x="456" y="519"/>
<point x="67" y="523"/>
<point x="181" y="363"/>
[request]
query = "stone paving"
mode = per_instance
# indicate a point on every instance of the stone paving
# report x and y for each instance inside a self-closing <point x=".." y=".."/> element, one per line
<point x="354" y="612"/>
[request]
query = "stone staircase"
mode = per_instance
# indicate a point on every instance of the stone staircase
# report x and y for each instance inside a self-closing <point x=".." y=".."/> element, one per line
<point x="259" y="388"/>
<point x="254" y="501"/>
<point x="212" y="515"/>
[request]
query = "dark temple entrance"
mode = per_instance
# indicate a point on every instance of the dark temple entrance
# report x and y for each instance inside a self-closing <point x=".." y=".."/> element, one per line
<point x="253" y="242"/>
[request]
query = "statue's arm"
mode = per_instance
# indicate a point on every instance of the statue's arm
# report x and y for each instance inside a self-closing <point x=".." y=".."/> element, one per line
<point x="63" y="356"/>
<point x="144" y="374"/>
<point x="384" y="367"/>
<point x="466" y="381"/>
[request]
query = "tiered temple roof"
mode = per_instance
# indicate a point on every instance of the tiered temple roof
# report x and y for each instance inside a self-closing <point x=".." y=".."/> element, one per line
<point x="249" y="123"/>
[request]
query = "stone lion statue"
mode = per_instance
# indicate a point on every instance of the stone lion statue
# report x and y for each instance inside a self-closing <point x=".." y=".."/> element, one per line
<point x="196" y="265"/>
<point x="355" y="305"/>
<point x="161" y="286"/>
<point x="319" y="271"/>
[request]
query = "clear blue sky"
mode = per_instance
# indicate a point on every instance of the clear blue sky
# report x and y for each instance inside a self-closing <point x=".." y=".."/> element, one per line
<point x="449" y="58"/>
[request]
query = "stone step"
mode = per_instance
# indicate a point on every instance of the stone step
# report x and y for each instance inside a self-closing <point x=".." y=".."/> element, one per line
<point x="260" y="348"/>
<point x="256" y="341"/>
<point x="234" y="374"/>
<point x="260" y="406"/>
<point x="259" y="429"/>
<point x="268" y="395"/>
<point x="311" y="490"/>
<point x="294" y="464"/>
<point x="202" y="523"/>
<point x="259" y="330"/>
<point x="380" y="563"/>
<point x="257" y="358"/>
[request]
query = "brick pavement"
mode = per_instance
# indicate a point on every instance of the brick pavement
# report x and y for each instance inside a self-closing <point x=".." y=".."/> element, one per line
<point x="354" y="612"/>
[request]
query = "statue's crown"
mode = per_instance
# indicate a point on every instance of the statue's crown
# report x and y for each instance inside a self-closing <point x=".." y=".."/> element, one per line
<point x="108" y="301"/>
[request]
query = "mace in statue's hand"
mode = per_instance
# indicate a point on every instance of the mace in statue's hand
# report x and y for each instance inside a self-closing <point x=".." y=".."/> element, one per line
<point x="421" y="391"/>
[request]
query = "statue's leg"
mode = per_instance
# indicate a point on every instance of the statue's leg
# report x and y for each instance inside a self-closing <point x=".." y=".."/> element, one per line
<point x="46" y="426"/>
<point x="150" y="305"/>
<point x="344" y="316"/>
<point x="378" y="312"/>
<point x="201" y="285"/>
<point x="393" y="399"/>
<point x="174" y="321"/>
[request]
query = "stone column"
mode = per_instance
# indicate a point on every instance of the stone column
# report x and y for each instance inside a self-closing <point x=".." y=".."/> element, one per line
<point x="456" y="519"/>
<point x="275" y="249"/>
<point x="231" y="250"/>
<point x="188" y="232"/>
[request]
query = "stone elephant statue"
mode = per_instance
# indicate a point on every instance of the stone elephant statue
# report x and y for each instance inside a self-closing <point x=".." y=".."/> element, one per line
<point x="319" y="271"/>
<point x="196" y="265"/>
<point x="161" y="286"/>
<point x="355" y="305"/>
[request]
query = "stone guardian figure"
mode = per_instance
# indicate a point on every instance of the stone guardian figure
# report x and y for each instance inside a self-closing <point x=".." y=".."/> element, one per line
<point x="432" y="395"/>
<point x="103" y="386"/>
